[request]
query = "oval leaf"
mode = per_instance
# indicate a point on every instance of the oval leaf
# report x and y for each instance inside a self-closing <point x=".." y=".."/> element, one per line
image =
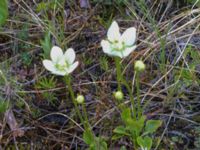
<point x="145" y="142"/>
<point x="152" y="125"/>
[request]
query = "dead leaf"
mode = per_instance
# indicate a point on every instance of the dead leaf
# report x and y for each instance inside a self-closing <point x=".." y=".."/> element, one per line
<point x="11" y="121"/>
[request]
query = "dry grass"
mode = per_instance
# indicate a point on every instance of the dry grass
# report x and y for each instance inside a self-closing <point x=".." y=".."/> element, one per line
<point x="168" y="37"/>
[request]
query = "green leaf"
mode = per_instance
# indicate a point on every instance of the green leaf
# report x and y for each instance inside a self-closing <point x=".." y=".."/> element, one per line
<point x="104" y="145"/>
<point x="145" y="142"/>
<point x="92" y="146"/>
<point x="117" y="136"/>
<point x="136" y="126"/>
<point x="88" y="137"/>
<point x="101" y="144"/>
<point x="126" y="115"/>
<point x="152" y="125"/>
<point x="141" y="121"/>
<point x="3" y="11"/>
<point x="46" y="45"/>
<point x="4" y="105"/>
<point x="120" y="130"/>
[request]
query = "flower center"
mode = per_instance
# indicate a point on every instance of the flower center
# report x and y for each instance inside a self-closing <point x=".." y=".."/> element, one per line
<point x="118" y="45"/>
<point x="62" y="66"/>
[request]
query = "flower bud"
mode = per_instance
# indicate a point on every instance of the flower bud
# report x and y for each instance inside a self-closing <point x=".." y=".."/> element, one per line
<point x="80" y="99"/>
<point x="119" y="95"/>
<point x="139" y="65"/>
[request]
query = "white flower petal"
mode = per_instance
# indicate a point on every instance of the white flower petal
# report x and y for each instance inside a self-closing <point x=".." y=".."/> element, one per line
<point x="72" y="67"/>
<point x="129" y="36"/>
<point x="128" y="50"/>
<point x="70" y="55"/>
<point x="49" y="65"/>
<point x="113" y="32"/>
<point x="117" y="53"/>
<point x="58" y="72"/>
<point x="61" y="61"/>
<point x="106" y="46"/>
<point x="56" y="53"/>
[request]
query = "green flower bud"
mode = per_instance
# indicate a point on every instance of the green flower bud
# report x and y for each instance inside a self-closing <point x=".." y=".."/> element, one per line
<point x="139" y="65"/>
<point x="118" y="95"/>
<point x="80" y="99"/>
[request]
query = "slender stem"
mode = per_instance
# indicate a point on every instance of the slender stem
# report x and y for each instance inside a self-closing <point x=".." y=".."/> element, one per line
<point x="86" y="121"/>
<point x="87" y="125"/>
<point x="119" y="73"/>
<point x="68" y="81"/>
<point x="138" y="94"/>
<point x="85" y="116"/>
<point x="131" y="97"/>
<point x="121" y="79"/>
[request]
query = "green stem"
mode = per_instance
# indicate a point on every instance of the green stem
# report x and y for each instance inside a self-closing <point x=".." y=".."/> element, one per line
<point x="139" y="111"/>
<point x="68" y="81"/>
<point x="119" y="73"/>
<point x="86" y="121"/>
<point x="131" y="97"/>
<point x="85" y="116"/>
<point x="121" y="79"/>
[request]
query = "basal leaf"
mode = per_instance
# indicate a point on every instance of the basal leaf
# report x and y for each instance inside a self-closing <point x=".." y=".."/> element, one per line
<point x="152" y="125"/>
<point x="126" y="114"/>
<point x="88" y="137"/>
<point x="120" y="130"/>
<point x="145" y="142"/>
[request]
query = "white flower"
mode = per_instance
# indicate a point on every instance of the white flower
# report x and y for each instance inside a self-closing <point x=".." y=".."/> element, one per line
<point x="117" y="44"/>
<point x="61" y="64"/>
